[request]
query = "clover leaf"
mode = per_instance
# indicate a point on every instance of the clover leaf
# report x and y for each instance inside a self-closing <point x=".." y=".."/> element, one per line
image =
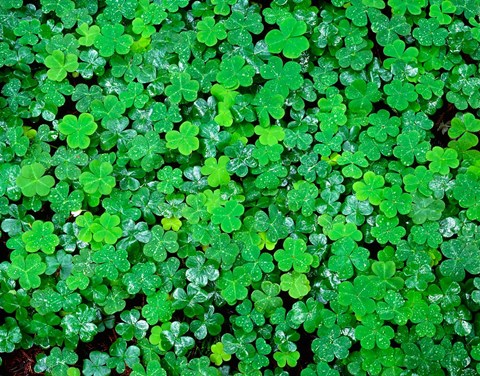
<point x="184" y="140"/>
<point x="233" y="284"/>
<point x="105" y="229"/>
<point x="241" y="25"/>
<point x="58" y="361"/>
<point x="461" y="256"/>
<point x="399" y="95"/>
<point x="294" y="255"/>
<point x="395" y="201"/>
<point x="411" y="146"/>
<point x="78" y="129"/>
<point x="303" y="197"/>
<point x="267" y="300"/>
<point x="371" y="188"/>
<point x="226" y="216"/>
<point x="219" y="355"/>
<point x="182" y="86"/>
<point x="330" y="344"/>
<point x="373" y="333"/>
<point x="98" y="179"/>
<point x="41" y="238"/>
<point x="33" y="182"/>
<point x="216" y="171"/>
<point x="88" y="34"/>
<point x="234" y="73"/>
<point x="210" y="32"/>
<point x="352" y="163"/>
<point x="346" y="256"/>
<point x="430" y="33"/>
<point x="362" y="95"/>
<point x="387" y="230"/>
<point x="358" y="295"/>
<point x="27" y="269"/>
<point x="60" y="64"/>
<point x="113" y="40"/>
<point x="289" y="39"/>
<point x="297" y="284"/>
<point x="142" y="277"/>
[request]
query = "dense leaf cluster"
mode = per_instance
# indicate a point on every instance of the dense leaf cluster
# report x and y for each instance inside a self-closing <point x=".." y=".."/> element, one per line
<point x="230" y="187"/>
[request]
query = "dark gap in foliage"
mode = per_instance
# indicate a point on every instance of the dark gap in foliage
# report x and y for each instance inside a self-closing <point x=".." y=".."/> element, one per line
<point x="67" y="109"/>
<point x="468" y="59"/>
<point x="75" y="81"/>
<point x="35" y="3"/>
<point x="101" y="342"/>
<point x="377" y="50"/>
<point x="136" y="302"/>
<point x="262" y="3"/>
<point x="4" y="254"/>
<point x="304" y="347"/>
<point x="20" y="362"/>
<point x="375" y="247"/>
<point x="441" y="120"/>
<point x="45" y="213"/>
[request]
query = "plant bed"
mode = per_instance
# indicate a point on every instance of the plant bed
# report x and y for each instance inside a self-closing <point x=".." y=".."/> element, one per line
<point x="231" y="187"/>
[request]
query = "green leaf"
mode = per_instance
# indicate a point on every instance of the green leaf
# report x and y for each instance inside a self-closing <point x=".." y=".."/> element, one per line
<point x="412" y="6"/>
<point x="219" y="355"/>
<point x="112" y="40"/>
<point x="426" y="208"/>
<point x="33" y="182"/>
<point x="234" y="73"/>
<point x="352" y="163"/>
<point x="395" y="201"/>
<point x="297" y="284"/>
<point x="386" y="230"/>
<point x="60" y="64"/>
<point x="358" y="295"/>
<point x="303" y="197"/>
<point x="10" y="335"/>
<point x="161" y="243"/>
<point x="142" y="277"/>
<point x="122" y="355"/>
<point x="226" y="216"/>
<point x="182" y="86"/>
<point x="411" y="146"/>
<point x="209" y="32"/>
<point x="96" y="365"/>
<point x="460" y="256"/>
<point x="289" y="39"/>
<point x="158" y="308"/>
<point x="41" y="238"/>
<point x="88" y="34"/>
<point x="399" y="95"/>
<point x="346" y="256"/>
<point x="78" y="130"/>
<point x="267" y="300"/>
<point x="216" y="171"/>
<point x="233" y="284"/>
<point x="362" y="95"/>
<point x="284" y="358"/>
<point x="371" y="188"/>
<point x="294" y="255"/>
<point x="372" y="333"/>
<point x="110" y="262"/>
<point x="330" y="344"/>
<point x="430" y="33"/>
<point x="183" y="140"/>
<point x="98" y="179"/>
<point x="58" y="360"/>
<point x="27" y="270"/>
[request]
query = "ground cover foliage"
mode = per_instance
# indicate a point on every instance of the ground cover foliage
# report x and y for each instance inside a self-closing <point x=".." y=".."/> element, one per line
<point x="231" y="187"/>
